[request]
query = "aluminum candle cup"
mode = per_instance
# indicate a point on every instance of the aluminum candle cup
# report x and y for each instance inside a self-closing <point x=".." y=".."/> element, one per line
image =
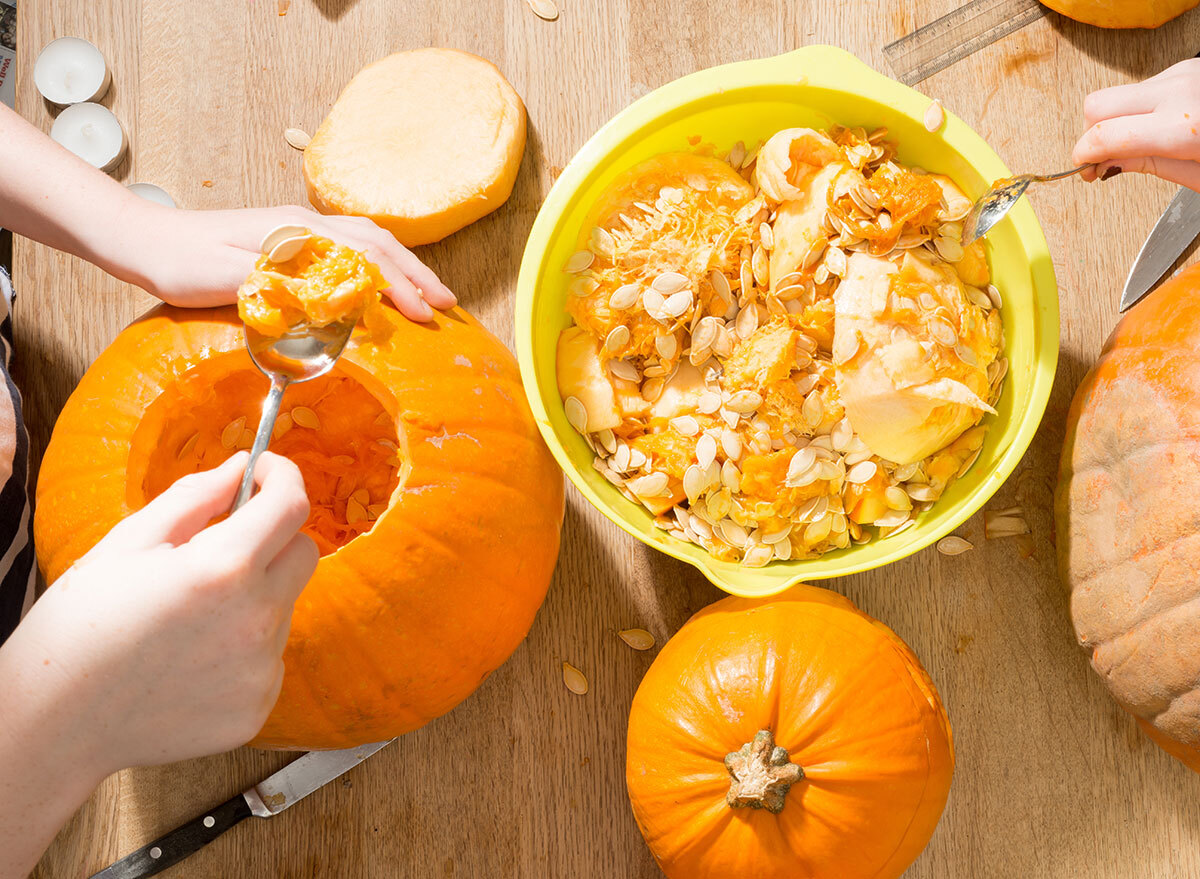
<point x="71" y="71"/>
<point x="153" y="193"/>
<point x="814" y="87"/>
<point x="91" y="132"/>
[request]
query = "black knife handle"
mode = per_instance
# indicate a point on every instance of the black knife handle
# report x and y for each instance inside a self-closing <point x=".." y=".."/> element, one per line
<point x="179" y="843"/>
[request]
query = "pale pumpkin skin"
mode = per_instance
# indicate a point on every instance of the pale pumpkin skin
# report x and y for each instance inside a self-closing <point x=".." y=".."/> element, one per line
<point x="841" y="693"/>
<point x="1128" y="515"/>
<point x="400" y="625"/>
<point x="1122" y="13"/>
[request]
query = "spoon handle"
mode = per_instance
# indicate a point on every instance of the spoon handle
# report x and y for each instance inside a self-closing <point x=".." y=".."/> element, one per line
<point x="266" y="425"/>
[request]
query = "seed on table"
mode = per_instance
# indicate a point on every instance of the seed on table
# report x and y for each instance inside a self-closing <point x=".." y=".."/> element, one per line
<point x="638" y="639"/>
<point x="574" y="679"/>
<point x="306" y="417"/>
<point x="296" y="139"/>
<point x="954" y="545"/>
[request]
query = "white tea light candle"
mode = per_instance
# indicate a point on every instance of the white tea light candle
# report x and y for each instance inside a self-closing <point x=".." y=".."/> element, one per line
<point x="91" y="132"/>
<point x="71" y="71"/>
<point x="153" y="193"/>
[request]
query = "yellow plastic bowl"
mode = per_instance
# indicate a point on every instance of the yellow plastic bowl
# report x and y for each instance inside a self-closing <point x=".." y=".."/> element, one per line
<point x="816" y="87"/>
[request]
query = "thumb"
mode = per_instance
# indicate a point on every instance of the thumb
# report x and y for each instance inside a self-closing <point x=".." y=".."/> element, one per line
<point x="1181" y="171"/>
<point x="180" y="512"/>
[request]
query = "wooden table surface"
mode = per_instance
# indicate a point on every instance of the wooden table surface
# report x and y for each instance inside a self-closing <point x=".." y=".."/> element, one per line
<point x="526" y="779"/>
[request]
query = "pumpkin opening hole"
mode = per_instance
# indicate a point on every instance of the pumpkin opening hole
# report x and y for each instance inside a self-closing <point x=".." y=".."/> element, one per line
<point x="338" y="433"/>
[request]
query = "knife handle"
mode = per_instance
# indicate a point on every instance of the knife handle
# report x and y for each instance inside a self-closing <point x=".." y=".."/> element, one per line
<point x="185" y="840"/>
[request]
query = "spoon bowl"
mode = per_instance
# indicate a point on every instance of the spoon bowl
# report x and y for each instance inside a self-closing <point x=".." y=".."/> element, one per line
<point x="999" y="200"/>
<point x="297" y="356"/>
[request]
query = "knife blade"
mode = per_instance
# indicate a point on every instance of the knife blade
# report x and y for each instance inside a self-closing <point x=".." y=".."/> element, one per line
<point x="269" y="797"/>
<point x="1177" y="228"/>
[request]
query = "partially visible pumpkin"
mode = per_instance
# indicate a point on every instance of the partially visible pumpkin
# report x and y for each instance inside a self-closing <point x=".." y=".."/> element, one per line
<point x="788" y="737"/>
<point x="1122" y="13"/>
<point x="1128" y="515"/>
<point x="435" y="504"/>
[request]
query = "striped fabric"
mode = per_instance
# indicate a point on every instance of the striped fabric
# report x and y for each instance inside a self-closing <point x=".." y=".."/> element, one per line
<point x="17" y="569"/>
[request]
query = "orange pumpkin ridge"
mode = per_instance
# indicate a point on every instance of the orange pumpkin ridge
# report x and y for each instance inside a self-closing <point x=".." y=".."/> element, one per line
<point x="787" y="737"/>
<point x="1122" y="13"/>
<point x="407" y="612"/>
<point x="1127" y="504"/>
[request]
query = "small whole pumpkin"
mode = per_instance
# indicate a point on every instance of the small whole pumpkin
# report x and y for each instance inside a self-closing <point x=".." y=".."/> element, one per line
<point x="1127" y="509"/>
<point x="794" y="736"/>
<point x="434" y="502"/>
<point x="1122" y="13"/>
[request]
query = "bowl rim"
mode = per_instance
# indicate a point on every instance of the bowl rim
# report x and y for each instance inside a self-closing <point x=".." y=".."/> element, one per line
<point x="826" y="67"/>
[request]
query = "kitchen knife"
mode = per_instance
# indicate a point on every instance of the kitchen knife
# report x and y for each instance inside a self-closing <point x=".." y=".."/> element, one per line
<point x="269" y="797"/>
<point x="1175" y="230"/>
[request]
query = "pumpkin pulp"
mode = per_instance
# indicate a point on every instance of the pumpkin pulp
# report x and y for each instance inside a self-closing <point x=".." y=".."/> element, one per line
<point x="340" y="435"/>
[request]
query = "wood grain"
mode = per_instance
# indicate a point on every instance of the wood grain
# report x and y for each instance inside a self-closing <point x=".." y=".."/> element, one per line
<point x="525" y="779"/>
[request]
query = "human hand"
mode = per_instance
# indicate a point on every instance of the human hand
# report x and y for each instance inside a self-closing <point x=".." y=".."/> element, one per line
<point x="1151" y="127"/>
<point x="200" y="258"/>
<point x="165" y="640"/>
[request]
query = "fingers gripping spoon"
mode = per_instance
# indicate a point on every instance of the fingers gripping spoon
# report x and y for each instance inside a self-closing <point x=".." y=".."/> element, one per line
<point x="294" y="357"/>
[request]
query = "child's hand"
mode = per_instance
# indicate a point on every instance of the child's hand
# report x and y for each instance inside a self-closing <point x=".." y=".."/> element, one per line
<point x="164" y="642"/>
<point x="1151" y="126"/>
<point x="198" y="258"/>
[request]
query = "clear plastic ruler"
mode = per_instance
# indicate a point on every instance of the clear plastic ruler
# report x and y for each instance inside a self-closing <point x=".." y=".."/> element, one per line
<point x="956" y="35"/>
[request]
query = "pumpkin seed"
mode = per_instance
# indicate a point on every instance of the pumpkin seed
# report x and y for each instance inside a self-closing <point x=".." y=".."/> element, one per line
<point x="694" y="482"/>
<point x="282" y="233"/>
<point x="283" y="424"/>
<point x="1003" y="523"/>
<point x="923" y="493"/>
<point x="355" y="512"/>
<point x="954" y="545"/>
<point x="685" y="424"/>
<point x="943" y="333"/>
<point x="306" y="417"/>
<point x="758" y="555"/>
<point x="624" y="370"/>
<point x="720" y="285"/>
<point x="650" y="485"/>
<point x="935" y="116"/>
<point x="188" y="445"/>
<point x="344" y="487"/>
<point x="818" y="531"/>
<point x="638" y="639"/>
<point x="246" y="440"/>
<point x="761" y="267"/>
<point x="737" y="155"/>
<point x="374" y="511"/>
<point x="744" y="402"/>
<point x="666" y="346"/>
<point x="897" y="498"/>
<point x="288" y="248"/>
<point x="746" y="322"/>
<point x="706" y="450"/>
<point x="994" y="295"/>
<point x="362" y="496"/>
<point x="677" y="304"/>
<point x="617" y="338"/>
<point x="602" y="242"/>
<point x="863" y="471"/>
<point x="949" y="249"/>
<point x="709" y="402"/>
<point x="813" y="410"/>
<point x="731" y="444"/>
<point x="296" y="139"/>
<point x="652" y="389"/>
<point x="574" y="679"/>
<point x="576" y="413"/>
<point x="669" y="283"/>
<point x="731" y="532"/>
<point x="731" y="477"/>
<point x="624" y="297"/>
<point x="233" y="432"/>
<point x="579" y="261"/>
<point x="583" y="287"/>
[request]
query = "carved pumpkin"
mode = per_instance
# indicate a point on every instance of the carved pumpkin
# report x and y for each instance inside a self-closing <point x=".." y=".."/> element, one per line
<point x="1122" y="13"/>
<point x="436" y="506"/>
<point x="794" y="736"/>
<point x="1128" y="504"/>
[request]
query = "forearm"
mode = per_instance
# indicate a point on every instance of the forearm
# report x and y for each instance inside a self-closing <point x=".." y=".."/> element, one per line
<point x="52" y="196"/>
<point x="45" y="771"/>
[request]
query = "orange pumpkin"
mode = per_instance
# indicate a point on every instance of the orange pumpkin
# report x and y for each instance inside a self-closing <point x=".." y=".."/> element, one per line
<point x="787" y="737"/>
<point x="436" y="506"/>
<point x="1127" y="506"/>
<point x="1122" y="13"/>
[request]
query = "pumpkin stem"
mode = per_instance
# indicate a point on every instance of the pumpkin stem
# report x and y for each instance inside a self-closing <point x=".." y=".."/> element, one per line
<point x="762" y="774"/>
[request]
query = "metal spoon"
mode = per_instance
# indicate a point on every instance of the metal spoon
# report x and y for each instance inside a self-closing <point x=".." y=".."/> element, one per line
<point x="999" y="200"/>
<point x="289" y="359"/>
